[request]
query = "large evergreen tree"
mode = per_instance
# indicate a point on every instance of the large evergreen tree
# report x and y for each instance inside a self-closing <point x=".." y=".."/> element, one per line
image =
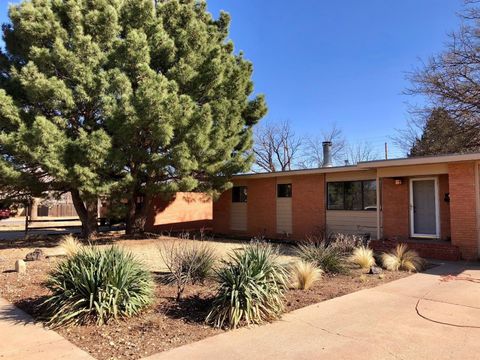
<point x="442" y="135"/>
<point x="122" y="98"/>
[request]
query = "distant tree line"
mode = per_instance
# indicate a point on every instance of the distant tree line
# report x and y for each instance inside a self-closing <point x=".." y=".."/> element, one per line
<point x="277" y="147"/>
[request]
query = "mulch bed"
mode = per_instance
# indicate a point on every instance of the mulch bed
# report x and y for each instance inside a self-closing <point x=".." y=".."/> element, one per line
<point x="167" y="324"/>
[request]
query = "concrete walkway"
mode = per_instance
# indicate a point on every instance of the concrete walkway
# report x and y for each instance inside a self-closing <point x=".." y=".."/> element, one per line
<point x="20" y="338"/>
<point x="424" y="316"/>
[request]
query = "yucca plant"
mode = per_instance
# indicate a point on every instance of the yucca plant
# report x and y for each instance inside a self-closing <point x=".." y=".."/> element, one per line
<point x="363" y="256"/>
<point x="325" y="257"/>
<point x="304" y="274"/>
<point x="251" y="288"/>
<point x="97" y="285"/>
<point x="402" y="258"/>
<point x="70" y="245"/>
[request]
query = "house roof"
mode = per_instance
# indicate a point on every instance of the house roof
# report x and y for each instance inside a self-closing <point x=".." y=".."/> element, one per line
<point x="420" y="160"/>
<point x="368" y="165"/>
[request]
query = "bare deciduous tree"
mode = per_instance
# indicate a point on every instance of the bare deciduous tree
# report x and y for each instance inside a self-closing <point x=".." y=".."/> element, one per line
<point x="362" y="151"/>
<point x="451" y="81"/>
<point x="276" y="146"/>
<point x="312" y="151"/>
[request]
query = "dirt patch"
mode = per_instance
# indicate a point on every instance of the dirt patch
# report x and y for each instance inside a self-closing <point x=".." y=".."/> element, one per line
<point x="332" y="286"/>
<point x="165" y="325"/>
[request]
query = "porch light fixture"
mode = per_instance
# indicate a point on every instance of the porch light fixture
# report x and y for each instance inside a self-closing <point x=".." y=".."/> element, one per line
<point x="398" y="181"/>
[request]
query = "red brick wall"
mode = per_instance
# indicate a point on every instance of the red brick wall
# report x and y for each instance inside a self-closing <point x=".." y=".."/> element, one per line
<point x="463" y="220"/>
<point x="443" y="188"/>
<point x="395" y="209"/>
<point x="261" y="207"/>
<point x="221" y="213"/>
<point x="308" y="205"/>
<point x="185" y="211"/>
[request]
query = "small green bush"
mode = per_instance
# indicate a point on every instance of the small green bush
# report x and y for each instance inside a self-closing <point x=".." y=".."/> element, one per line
<point x="345" y="244"/>
<point x="328" y="258"/>
<point x="252" y="287"/>
<point x="97" y="285"/>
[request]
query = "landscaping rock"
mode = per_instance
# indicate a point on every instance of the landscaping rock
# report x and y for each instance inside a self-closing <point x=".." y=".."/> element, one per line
<point x="20" y="266"/>
<point x="35" y="255"/>
<point x="375" y="270"/>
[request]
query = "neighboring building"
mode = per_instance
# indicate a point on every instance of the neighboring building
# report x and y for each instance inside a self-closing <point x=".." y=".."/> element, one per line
<point x="431" y="202"/>
<point x="185" y="211"/>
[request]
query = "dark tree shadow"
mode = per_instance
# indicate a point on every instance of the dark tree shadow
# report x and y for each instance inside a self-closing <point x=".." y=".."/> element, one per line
<point x="192" y="309"/>
<point x="24" y="311"/>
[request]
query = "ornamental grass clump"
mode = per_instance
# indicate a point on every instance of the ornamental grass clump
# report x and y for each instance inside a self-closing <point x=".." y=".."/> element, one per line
<point x="97" y="285"/>
<point x="70" y="245"/>
<point x="304" y="274"/>
<point x="401" y="258"/>
<point x="326" y="257"/>
<point x="363" y="257"/>
<point x="251" y="288"/>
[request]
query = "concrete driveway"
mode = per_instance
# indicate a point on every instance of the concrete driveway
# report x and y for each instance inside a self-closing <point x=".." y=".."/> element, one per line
<point x="434" y="315"/>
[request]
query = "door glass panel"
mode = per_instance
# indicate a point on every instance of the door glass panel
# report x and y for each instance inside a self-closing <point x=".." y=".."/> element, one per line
<point x="424" y="207"/>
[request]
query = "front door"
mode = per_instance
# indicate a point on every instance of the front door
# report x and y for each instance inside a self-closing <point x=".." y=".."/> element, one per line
<point x="424" y="220"/>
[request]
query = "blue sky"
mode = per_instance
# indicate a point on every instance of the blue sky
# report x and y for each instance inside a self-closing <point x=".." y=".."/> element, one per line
<point x="321" y="62"/>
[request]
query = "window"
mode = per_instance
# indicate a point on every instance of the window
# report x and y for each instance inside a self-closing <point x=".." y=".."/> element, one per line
<point x="284" y="190"/>
<point x="239" y="194"/>
<point x="352" y="195"/>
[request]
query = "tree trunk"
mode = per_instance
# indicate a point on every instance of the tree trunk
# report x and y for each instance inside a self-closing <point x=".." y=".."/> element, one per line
<point x="130" y="220"/>
<point x="87" y="212"/>
<point x="137" y="215"/>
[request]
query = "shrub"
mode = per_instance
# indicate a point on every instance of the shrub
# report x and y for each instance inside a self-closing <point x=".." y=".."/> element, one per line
<point x="345" y="244"/>
<point x="325" y="257"/>
<point x="97" y="285"/>
<point x="187" y="261"/>
<point x="402" y="259"/>
<point x="252" y="286"/>
<point x="70" y="245"/>
<point x="304" y="274"/>
<point x="203" y="257"/>
<point x="363" y="257"/>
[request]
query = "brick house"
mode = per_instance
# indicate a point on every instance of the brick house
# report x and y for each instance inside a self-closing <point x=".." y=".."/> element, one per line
<point x="433" y="203"/>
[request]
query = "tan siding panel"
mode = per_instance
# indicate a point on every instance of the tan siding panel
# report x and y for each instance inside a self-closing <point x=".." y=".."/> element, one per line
<point x="284" y="215"/>
<point x="238" y="219"/>
<point x="352" y="176"/>
<point x="352" y="222"/>
<point x="416" y="170"/>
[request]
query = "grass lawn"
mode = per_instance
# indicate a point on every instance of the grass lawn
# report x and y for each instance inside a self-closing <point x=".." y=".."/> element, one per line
<point x="167" y="324"/>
